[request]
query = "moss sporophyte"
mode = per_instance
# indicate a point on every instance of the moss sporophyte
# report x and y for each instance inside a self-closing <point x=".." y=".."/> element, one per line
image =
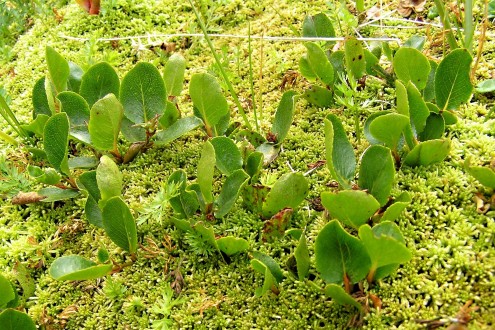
<point x="230" y="216"/>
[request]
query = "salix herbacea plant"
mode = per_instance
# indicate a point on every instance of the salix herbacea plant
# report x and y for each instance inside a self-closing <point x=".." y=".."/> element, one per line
<point x="10" y="301"/>
<point x="104" y="208"/>
<point x="342" y="258"/>
<point x="415" y="130"/>
<point x="486" y="176"/>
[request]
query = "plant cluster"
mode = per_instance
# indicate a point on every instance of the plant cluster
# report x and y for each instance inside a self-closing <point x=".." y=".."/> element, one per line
<point x="359" y="246"/>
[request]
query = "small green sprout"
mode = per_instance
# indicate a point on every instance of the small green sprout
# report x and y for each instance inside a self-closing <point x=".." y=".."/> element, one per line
<point x="163" y="310"/>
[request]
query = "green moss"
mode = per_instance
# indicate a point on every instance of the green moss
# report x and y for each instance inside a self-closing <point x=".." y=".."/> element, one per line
<point x="452" y="244"/>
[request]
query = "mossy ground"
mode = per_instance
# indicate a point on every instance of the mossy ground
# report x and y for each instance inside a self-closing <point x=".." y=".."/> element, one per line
<point x="452" y="245"/>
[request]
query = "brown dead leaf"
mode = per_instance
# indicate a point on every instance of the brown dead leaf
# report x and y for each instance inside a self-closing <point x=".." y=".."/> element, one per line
<point x="407" y="7"/>
<point x="27" y="198"/>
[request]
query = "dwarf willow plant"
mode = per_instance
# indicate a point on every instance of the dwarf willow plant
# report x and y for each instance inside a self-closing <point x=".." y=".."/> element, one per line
<point x="10" y="301"/>
<point x="416" y="129"/>
<point x="104" y="208"/>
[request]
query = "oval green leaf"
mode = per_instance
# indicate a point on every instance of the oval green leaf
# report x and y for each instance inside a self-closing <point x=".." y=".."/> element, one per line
<point x="143" y="94"/>
<point x="56" y="141"/>
<point x="119" y="224"/>
<point x="341" y="160"/>
<point x="284" y="116"/>
<point x="11" y="319"/>
<point x="58" y="69"/>
<point x="428" y="152"/>
<point x="377" y="173"/>
<point x="230" y="192"/>
<point x="108" y="178"/>
<point x="355" y="59"/>
<point x="208" y="99"/>
<point x="40" y="100"/>
<point x="99" y="81"/>
<point x="452" y="82"/>
<point x="228" y="156"/>
<point x="338" y="294"/>
<point x="173" y="74"/>
<point x="232" y="245"/>
<point x="53" y="194"/>
<point x="206" y="167"/>
<point x="319" y="63"/>
<point x="388" y="128"/>
<point x="105" y="122"/>
<point x="77" y="109"/>
<point x="289" y="191"/>
<point x="77" y="268"/>
<point x="393" y="211"/>
<point x="6" y="290"/>
<point x="339" y="255"/>
<point x="352" y="207"/>
<point x="411" y="65"/>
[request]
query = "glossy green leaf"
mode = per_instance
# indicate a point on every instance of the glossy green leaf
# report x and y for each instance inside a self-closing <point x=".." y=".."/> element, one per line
<point x="355" y="60"/>
<point x="340" y="256"/>
<point x="486" y="86"/>
<point x="429" y="91"/>
<point x="302" y="258"/>
<point x="143" y="94"/>
<point x="105" y="123"/>
<point x="452" y="82"/>
<point x="99" y="81"/>
<point x="318" y="26"/>
<point x="341" y="160"/>
<point x="393" y="211"/>
<point x="103" y="255"/>
<point x="173" y="74"/>
<point x="377" y="172"/>
<point x="428" y="152"/>
<point x="418" y="110"/>
<point x="47" y="176"/>
<point x="11" y="319"/>
<point x="366" y="129"/>
<point x="319" y="63"/>
<point x="284" y="116"/>
<point x="206" y="167"/>
<point x="385" y="246"/>
<point x="88" y="182"/>
<point x="228" y="156"/>
<point x="56" y="141"/>
<point x="338" y="294"/>
<point x="318" y="96"/>
<point x="337" y="59"/>
<point x="177" y="129"/>
<point x="269" y="282"/>
<point x="77" y="109"/>
<point x="50" y="96"/>
<point x="271" y="264"/>
<point x="411" y="65"/>
<point x="485" y="175"/>
<point x="351" y="207"/>
<point x="7" y="293"/>
<point x="449" y="117"/>
<point x="289" y="191"/>
<point x="230" y="192"/>
<point x="208" y="99"/>
<point x="58" y="69"/>
<point x="232" y="245"/>
<point x="434" y="128"/>
<point x="119" y="224"/>
<point x="108" y="178"/>
<point x="54" y="194"/>
<point x="77" y="268"/>
<point x="75" y="77"/>
<point x="388" y="128"/>
<point x="403" y="109"/>
<point x="40" y="100"/>
<point x="306" y="69"/>
<point x="372" y="62"/>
